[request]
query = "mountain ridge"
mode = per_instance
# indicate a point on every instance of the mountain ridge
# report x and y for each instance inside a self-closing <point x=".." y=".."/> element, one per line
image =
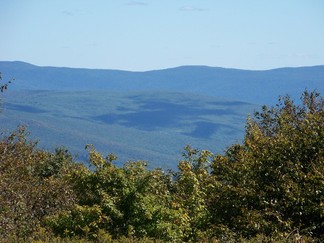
<point x="254" y="86"/>
<point x="162" y="69"/>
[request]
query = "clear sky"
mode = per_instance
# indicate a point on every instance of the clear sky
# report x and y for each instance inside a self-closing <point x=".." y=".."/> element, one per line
<point x="154" y="34"/>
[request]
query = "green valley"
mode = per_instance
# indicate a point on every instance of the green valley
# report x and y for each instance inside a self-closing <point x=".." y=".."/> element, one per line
<point x="151" y="126"/>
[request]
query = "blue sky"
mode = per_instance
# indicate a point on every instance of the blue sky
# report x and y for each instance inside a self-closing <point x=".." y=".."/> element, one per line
<point x="155" y="34"/>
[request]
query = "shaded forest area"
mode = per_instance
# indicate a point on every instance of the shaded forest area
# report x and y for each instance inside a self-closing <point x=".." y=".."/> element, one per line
<point x="270" y="188"/>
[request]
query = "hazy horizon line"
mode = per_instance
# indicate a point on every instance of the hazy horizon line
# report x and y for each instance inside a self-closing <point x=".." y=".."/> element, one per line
<point x="158" y="69"/>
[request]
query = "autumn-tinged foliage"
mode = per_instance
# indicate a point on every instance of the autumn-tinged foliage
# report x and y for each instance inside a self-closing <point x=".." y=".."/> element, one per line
<point x="270" y="188"/>
<point x="33" y="184"/>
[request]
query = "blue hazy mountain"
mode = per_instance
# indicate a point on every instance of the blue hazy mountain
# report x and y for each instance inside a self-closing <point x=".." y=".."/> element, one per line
<point x="260" y="87"/>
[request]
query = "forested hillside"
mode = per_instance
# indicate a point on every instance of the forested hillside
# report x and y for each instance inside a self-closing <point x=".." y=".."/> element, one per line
<point x="151" y="126"/>
<point x="269" y="188"/>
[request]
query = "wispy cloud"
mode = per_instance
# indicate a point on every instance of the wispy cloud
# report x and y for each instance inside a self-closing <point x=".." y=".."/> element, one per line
<point x="68" y="13"/>
<point x="191" y="8"/>
<point x="136" y="3"/>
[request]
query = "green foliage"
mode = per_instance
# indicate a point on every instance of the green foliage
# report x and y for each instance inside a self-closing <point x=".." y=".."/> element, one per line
<point x="190" y="186"/>
<point x="270" y="188"/>
<point x="273" y="182"/>
<point x="131" y="201"/>
<point x="52" y="164"/>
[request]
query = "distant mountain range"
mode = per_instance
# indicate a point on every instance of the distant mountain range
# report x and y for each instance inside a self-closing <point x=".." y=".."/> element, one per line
<point x="259" y="87"/>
